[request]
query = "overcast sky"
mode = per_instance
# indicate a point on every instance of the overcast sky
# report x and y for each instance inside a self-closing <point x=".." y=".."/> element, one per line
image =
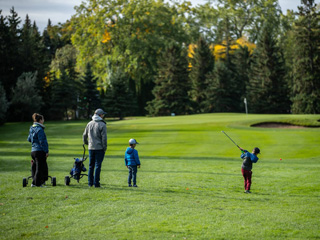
<point x="62" y="10"/>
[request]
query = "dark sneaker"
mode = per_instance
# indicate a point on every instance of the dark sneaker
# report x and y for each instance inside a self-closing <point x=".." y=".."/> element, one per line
<point x="135" y="185"/>
<point x="129" y="185"/>
<point x="247" y="191"/>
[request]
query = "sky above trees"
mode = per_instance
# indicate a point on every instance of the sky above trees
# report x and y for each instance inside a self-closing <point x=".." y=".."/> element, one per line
<point x="62" y="10"/>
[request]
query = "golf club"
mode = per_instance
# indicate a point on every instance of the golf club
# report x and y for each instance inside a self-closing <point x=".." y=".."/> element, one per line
<point x="231" y="139"/>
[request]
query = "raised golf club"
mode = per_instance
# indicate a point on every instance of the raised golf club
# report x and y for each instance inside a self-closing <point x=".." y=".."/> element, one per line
<point x="231" y="139"/>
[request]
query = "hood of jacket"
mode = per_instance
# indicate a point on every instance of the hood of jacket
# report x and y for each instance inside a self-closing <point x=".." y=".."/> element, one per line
<point x="130" y="150"/>
<point x="96" y="118"/>
<point x="36" y="124"/>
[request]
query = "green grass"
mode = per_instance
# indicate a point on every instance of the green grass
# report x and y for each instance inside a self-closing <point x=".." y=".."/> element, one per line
<point x="190" y="182"/>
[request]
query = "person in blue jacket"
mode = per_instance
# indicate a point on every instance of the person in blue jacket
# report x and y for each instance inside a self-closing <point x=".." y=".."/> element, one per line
<point x="248" y="159"/>
<point x="39" y="151"/>
<point x="132" y="162"/>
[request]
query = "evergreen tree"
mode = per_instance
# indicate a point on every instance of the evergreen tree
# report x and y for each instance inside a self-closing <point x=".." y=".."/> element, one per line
<point x="26" y="98"/>
<point x="202" y="63"/>
<point x="64" y="96"/>
<point x="306" y="62"/>
<point x="242" y="62"/>
<point x="224" y="89"/>
<point x="65" y="60"/>
<point x="28" y="45"/>
<point x="58" y="92"/>
<point x="172" y="84"/>
<point x="32" y="52"/>
<point x="286" y="43"/>
<point x="120" y="101"/>
<point x="54" y="37"/>
<point x="3" y="105"/>
<point x="4" y="41"/>
<point x="268" y="91"/>
<point x="10" y="47"/>
<point x="90" y="99"/>
<point x="220" y="93"/>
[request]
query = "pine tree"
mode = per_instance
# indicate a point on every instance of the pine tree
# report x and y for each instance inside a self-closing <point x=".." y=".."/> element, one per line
<point x="268" y="91"/>
<point x="90" y="98"/>
<point x="224" y="90"/>
<point x="26" y="98"/>
<point x="172" y="84"/>
<point x="64" y="96"/>
<point x="4" y="40"/>
<point x="27" y="52"/>
<point x="306" y="62"/>
<point x="242" y="61"/>
<point x="220" y="95"/>
<point x="120" y="101"/>
<point x="10" y="47"/>
<point x="3" y="105"/>
<point x="32" y="52"/>
<point x="202" y="63"/>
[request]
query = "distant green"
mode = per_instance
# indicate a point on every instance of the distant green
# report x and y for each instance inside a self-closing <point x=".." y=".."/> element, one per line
<point x="190" y="182"/>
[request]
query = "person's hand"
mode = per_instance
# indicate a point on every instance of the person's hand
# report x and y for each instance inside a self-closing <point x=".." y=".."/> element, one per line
<point x="47" y="155"/>
<point x="241" y="149"/>
<point x="138" y="166"/>
<point x="127" y="166"/>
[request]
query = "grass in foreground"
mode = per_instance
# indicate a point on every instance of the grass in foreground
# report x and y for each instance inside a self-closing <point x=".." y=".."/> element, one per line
<point x="190" y="183"/>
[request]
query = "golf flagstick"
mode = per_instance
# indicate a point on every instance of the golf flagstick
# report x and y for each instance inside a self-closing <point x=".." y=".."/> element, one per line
<point x="231" y="140"/>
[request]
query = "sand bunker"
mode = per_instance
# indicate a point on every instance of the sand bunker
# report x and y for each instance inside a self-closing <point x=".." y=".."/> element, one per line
<point x="276" y="125"/>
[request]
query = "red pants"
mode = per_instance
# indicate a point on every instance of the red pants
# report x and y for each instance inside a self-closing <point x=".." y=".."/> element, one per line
<point x="247" y="178"/>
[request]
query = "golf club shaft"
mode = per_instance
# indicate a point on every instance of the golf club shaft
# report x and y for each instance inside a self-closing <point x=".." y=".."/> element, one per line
<point x="231" y="139"/>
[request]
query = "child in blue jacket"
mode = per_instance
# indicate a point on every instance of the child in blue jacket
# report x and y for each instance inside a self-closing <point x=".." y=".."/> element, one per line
<point x="132" y="162"/>
<point x="248" y="159"/>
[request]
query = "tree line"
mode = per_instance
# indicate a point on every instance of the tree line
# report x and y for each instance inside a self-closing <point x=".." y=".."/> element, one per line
<point x="156" y="58"/>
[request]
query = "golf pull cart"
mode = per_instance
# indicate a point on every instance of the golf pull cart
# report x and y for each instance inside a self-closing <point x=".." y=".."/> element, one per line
<point x="78" y="168"/>
<point x="25" y="180"/>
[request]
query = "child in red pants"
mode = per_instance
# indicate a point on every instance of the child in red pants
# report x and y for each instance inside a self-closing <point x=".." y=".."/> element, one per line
<point x="248" y="159"/>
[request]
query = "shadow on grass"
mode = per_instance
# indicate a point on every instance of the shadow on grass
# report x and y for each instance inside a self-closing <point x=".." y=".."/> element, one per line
<point x="172" y="193"/>
<point x="9" y="165"/>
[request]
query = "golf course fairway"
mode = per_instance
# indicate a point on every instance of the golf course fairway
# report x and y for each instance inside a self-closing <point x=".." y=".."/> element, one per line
<point x="189" y="185"/>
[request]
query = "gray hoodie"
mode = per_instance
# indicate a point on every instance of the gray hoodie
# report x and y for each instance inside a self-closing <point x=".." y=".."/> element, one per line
<point x="96" y="131"/>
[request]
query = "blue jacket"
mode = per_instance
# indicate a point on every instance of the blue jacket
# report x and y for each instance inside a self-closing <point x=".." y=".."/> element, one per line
<point x="131" y="157"/>
<point x="38" y="138"/>
<point x="248" y="159"/>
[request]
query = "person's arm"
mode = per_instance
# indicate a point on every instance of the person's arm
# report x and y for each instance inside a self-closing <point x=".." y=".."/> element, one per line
<point x="43" y="141"/>
<point x="125" y="159"/>
<point x="104" y="137"/>
<point x="136" y="158"/>
<point x="254" y="158"/>
<point x="243" y="152"/>
<point x="85" y="136"/>
<point x="29" y="137"/>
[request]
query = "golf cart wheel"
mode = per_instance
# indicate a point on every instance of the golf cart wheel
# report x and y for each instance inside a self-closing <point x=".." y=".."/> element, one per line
<point x="67" y="180"/>
<point x="24" y="182"/>
<point x="54" y="181"/>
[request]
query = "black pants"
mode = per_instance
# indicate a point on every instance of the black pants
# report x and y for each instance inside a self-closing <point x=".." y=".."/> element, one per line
<point x="39" y="168"/>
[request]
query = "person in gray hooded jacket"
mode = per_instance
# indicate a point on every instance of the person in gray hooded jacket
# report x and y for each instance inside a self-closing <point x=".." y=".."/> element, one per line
<point x="96" y="132"/>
